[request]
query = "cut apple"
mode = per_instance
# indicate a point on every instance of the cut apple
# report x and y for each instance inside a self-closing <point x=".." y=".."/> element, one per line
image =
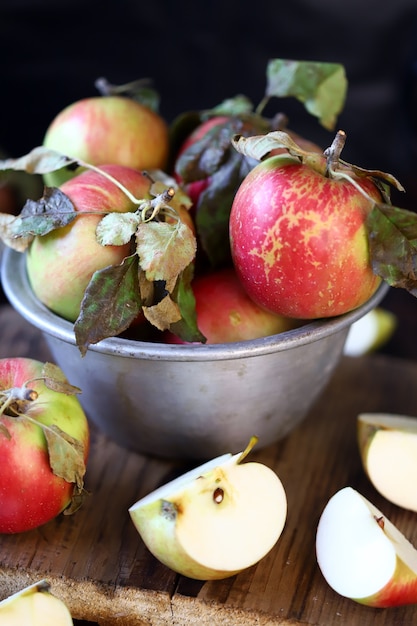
<point x="215" y="520"/>
<point x="370" y="332"/>
<point x="388" y="448"/>
<point x="34" y="606"/>
<point x="362" y="555"/>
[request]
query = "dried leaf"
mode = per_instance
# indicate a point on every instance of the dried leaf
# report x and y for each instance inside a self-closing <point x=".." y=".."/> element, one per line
<point x="110" y="304"/>
<point x="392" y="234"/>
<point x="163" y="314"/>
<point x="164" y="249"/>
<point x="321" y="87"/>
<point x="55" y="379"/>
<point x="66" y="455"/>
<point x="40" y="160"/>
<point x="259" y="146"/>
<point x="20" y="244"/>
<point x="117" y="229"/>
<point x="40" y="217"/>
<point x="4" y="431"/>
<point x="140" y="90"/>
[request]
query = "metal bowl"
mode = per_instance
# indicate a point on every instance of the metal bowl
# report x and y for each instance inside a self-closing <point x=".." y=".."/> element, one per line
<point x="189" y="401"/>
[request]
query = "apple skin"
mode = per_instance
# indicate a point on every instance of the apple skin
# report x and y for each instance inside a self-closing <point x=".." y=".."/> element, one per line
<point x="30" y="493"/>
<point x="298" y="239"/>
<point x="61" y="263"/>
<point x="108" y="129"/>
<point x="225" y="313"/>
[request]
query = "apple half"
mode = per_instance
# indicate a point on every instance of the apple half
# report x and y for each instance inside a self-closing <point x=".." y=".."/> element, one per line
<point x="34" y="606"/>
<point x="362" y="555"/>
<point x="215" y="520"/>
<point x="388" y="449"/>
<point x="370" y="332"/>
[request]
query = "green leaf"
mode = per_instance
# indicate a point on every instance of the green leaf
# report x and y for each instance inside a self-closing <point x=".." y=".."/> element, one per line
<point x="140" y="90"/>
<point x="186" y="328"/>
<point x="117" y="229"/>
<point x="40" y="160"/>
<point x="20" y="244"/>
<point x="321" y="87"/>
<point x="39" y="217"/>
<point x="110" y="304"/>
<point x="392" y="234"/>
<point x="164" y="249"/>
<point x="213" y="210"/>
<point x="236" y="106"/>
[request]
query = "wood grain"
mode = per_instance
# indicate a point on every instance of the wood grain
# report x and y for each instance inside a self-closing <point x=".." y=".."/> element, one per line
<point x="98" y="565"/>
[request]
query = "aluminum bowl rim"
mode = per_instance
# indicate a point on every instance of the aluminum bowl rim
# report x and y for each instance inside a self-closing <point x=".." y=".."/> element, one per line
<point x="18" y="291"/>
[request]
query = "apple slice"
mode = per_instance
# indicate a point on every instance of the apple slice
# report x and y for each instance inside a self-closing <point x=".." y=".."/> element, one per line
<point x="370" y="332"/>
<point x="362" y="555"/>
<point x="388" y="448"/>
<point x="34" y="606"/>
<point x="215" y="520"/>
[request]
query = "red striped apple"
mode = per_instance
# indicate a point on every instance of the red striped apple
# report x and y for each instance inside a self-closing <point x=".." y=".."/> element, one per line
<point x="225" y="313"/>
<point x="34" y="606"/>
<point x="298" y="237"/>
<point x="44" y="444"/>
<point x="362" y="555"/>
<point x="215" y="520"/>
<point x="388" y="449"/>
<point x="108" y="129"/>
<point x="61" y="263"/>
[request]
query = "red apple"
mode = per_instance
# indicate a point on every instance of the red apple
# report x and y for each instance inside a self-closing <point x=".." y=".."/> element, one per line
<point x="225" y="313"/>
<point x="31" y="493"/>
<point x="61" y="263"/>
<point x="298" y="238"/>
<point x="108" y="129"/>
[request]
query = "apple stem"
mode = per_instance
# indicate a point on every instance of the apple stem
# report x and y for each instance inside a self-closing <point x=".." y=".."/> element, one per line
<point x="16" y="394"/>
<point x="252" y="442"/>
<point x="333" y="152"/>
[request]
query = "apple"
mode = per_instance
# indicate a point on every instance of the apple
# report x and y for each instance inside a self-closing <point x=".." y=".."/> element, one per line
<point x="388" y="449"/>
<point x="298" y="237"/>
<point x="44" y="444"/>
<point x="34" y="606"/>
<point x="370" y="332"/>
<point x="362" y="555"/>
<point x="61" y="263"/>
<point x="108" y="129"/>
<point x="225" y="313"/>
<point x="215" y="520"/>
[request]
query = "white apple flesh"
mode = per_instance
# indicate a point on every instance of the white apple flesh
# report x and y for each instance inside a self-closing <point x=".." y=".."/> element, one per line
<point x="215" y="520"/>
<point x="362" y="555"/>
<point x="370" y="332"/>
<point x="388" y="448"/>
<point x="34" y="606"/>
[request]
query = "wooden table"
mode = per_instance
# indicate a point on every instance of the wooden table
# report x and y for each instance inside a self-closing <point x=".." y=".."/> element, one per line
<point x="96" y="562"/>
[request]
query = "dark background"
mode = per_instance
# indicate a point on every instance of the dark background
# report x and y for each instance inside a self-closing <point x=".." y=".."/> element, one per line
<point x="199" y="53"/>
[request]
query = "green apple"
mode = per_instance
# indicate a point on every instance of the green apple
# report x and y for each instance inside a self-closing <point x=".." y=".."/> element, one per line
<point x="388" y="448"/>
<point x="108" y="129"/>
<point x="215" y="520"/>
<point x="34" y="606"/>
<point x="362" y="555"/>
<point x="370" y="332"/>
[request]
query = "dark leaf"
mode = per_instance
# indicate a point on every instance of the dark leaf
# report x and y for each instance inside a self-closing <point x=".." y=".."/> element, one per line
<point x="392" y="234"/>
<point x="321" y="87"/>
<point x="39" y="217"/>
<point x="110" y="304"/>
<point x="186" y="328"/>
<point x="213" y="210"/>
<point x="140" y="90"/>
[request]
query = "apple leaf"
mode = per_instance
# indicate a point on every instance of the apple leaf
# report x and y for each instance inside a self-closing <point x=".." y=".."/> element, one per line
<point x="40" y="160"/>
<point x="53" y="210"/>
<point x="392" y="235"/>
<point x="66" y="455"/>
<point x="321" y="87"/>
<point x="19" y="244"/>
<point x="236" y="106"/>
<point x="110" y="304"/>
<point x="4" y="431"/>
<point x="164" y="249"/>
<point x="140" y="90"/>
<point x="117" y="229"/>
<point x="213" y="209"/>
<point x="259" y="146"/>
<point x="55" y="379"/>
<point x="163" y="313"/>
<point x="186" y="328"/>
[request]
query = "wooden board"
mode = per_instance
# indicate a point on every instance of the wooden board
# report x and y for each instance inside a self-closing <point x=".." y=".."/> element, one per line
<point x="98" y="565"/>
